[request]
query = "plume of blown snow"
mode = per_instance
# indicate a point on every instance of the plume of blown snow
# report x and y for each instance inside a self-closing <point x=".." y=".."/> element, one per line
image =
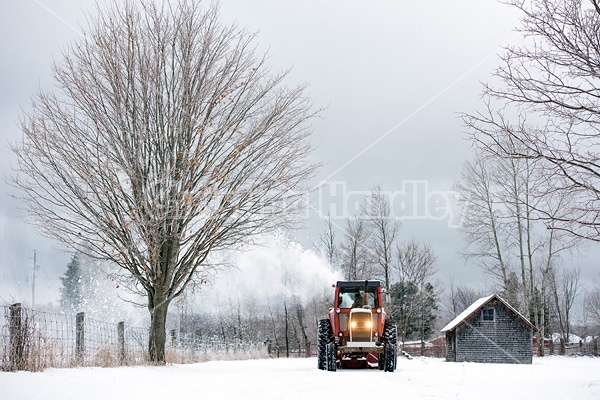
<point x="276" y="267"/>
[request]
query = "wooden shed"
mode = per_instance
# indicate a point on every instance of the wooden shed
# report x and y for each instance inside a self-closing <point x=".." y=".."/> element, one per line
<point x="490" y="331"/>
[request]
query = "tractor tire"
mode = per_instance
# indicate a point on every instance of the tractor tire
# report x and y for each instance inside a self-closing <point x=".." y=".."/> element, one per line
<point x="324" y="336"/>
<point x="390" y="347"/>
<point x="331" y="356"/>
<point x="390" y="334"/>
<point x="390" y="357"/>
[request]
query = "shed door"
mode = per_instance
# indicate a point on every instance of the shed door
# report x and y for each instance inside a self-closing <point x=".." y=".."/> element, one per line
<point x="451" y="346"/>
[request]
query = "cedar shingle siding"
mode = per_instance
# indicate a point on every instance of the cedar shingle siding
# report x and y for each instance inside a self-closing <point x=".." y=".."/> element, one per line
<point x="507" y="338"/>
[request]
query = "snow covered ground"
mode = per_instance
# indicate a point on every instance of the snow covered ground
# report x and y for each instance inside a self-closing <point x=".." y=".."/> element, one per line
<point x="548" y="378"/>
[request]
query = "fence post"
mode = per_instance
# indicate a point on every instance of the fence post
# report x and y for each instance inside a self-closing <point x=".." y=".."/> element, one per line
<point x="561" y="350"/>
<point x="121" y="340"/>
<point x="80" y="337"/>
<point x="16" y="338"/>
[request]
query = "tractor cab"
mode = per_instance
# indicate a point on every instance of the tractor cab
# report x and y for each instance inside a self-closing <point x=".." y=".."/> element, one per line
<point x="357" y="312"/>
<point x="358" y="297"/>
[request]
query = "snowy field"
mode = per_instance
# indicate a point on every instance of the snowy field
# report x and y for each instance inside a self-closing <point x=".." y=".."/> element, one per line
<point x="548" y="378"/>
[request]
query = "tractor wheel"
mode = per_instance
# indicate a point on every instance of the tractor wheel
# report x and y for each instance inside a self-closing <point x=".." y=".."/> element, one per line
<point x="390" y="334"/>
<point x="389" y="357"/>
<point x="324" y="336"/>
<point x="331" y="356"/>
<point x="390" y="349"/>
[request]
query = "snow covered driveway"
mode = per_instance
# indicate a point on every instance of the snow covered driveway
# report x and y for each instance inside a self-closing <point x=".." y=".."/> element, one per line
<point x="548" y="378"/>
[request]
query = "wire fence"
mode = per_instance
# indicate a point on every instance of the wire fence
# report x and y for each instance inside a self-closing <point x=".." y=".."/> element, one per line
<point x="188" y="348"/>
<point x="33" y="340"/>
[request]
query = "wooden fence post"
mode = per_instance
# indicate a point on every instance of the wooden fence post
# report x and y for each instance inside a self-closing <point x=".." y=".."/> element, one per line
<point x="16" y="358"/>
<point x="121" y="339"/>
<point x="80" y="337"/>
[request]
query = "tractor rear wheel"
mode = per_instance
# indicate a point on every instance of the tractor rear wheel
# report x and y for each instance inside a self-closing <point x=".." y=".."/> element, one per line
<point x="324" y="337"/>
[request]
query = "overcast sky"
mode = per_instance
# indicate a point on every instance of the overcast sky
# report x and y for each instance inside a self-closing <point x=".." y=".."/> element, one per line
<point x="392" y="75"/>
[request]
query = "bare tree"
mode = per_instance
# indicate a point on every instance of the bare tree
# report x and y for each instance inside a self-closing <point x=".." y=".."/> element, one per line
<point x="377" y="211"/>
<point x="513" y="178"/>
<point x="565" y="288"/>
<point x="504" y="229"/>
<point x="328" y="243"/>
<point x="461" y="297"/>
<point x="169" y="139"/>
<point x="553" y="245"/>
<point x="300" y="315"/>
<point x="483" y="227"/>
<point x="356" y="257"/>
<point x="413" y="293"/>
<point x="545" y="106"/>
<point x="416" y="262"/>
<point x="592" y="304"/>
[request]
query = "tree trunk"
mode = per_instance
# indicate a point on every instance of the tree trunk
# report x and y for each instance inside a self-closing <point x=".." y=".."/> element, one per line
<point x="274" y="328"/>
<point x="300" y="315"/>
<point x="158" y="307"/>
<point x="287" y="337"/>
<point x="525" y="307"/>
<point x="542" y="327"/>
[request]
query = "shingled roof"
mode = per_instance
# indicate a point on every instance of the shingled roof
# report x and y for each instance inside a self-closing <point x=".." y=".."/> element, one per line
<point x="478" y="305"/>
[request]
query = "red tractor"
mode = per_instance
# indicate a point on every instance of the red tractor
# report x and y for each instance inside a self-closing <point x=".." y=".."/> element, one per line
<point x="356" y="333"/>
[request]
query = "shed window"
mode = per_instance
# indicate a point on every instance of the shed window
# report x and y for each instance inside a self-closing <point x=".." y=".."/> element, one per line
<point x="488" y="314"/>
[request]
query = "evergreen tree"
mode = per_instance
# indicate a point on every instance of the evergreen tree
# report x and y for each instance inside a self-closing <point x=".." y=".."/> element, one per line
<point x="404" y="304"/>
<point x="413" y="310"/>
<point x="71" y="293"/>
<point x="427" y="314"/>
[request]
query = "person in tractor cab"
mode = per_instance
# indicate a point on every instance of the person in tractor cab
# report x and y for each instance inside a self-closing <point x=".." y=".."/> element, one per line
<point x="358" y="301"/>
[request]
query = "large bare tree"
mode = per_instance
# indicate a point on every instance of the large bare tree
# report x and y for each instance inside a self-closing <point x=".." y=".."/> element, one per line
<point x="544" y="104"/>
<point x="503" y="229"/>
<point x="377" y="211"/>
<point x="484" y="227"/>
<point x="168" y="138"/>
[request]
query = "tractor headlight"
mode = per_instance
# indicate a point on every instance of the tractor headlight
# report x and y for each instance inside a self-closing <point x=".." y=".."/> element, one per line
<point x="368" y="324"/>
<point x="353" y="324"/>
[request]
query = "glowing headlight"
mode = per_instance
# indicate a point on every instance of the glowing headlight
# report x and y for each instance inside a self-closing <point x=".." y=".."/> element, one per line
<point x="353" y="324"/>
<point x="368" y="324"/>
